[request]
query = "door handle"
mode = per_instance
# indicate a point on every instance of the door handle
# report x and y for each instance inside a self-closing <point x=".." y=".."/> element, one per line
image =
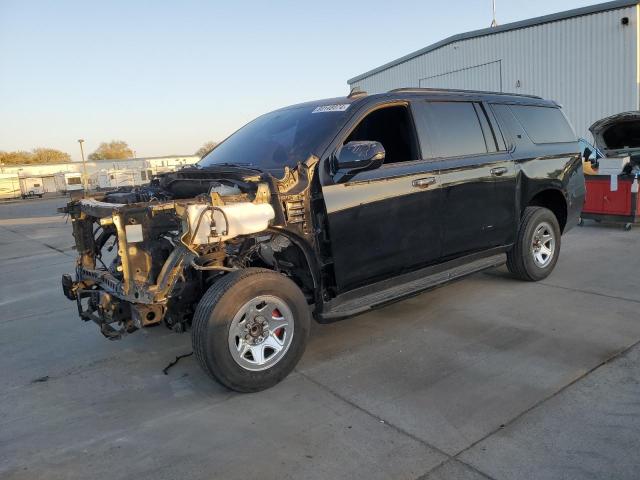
<point x="423" y="182"/>
<point x="496" y="172"/>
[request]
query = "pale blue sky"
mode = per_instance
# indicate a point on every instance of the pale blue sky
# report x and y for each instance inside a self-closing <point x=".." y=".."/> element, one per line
<point x="166" y="76"/>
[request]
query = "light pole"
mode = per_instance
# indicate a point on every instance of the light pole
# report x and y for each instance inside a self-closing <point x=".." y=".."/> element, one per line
<point x="84" y="167"/>
<point x="493" y="22"/>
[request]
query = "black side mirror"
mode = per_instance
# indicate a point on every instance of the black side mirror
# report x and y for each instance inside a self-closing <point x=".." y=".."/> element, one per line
<point x="358" y="156"/>
<point x="586" y="154"/>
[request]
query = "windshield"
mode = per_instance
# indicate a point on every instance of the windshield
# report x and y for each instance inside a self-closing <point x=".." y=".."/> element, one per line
<point x="278" y="139"/>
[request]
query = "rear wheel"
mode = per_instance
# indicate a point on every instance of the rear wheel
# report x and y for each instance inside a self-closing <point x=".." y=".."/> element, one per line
<point x="537" y="246"/>
<point x="250" y="329"/>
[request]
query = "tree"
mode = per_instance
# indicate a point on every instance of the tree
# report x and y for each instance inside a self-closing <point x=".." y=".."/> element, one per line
<point x="15" y="158"/>
<point x="36" y="156"/>
<point x="113" y="150"/>
<point x="49" y="155"/>
<point x="206" y="148"/>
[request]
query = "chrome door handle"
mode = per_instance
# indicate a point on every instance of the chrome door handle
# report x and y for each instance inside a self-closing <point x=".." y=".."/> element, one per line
<point x="496" y="172"/>
<point x="423" y="182"/>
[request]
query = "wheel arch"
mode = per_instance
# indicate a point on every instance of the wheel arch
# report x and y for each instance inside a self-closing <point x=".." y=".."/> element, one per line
<point x="554" y="200"/>
<point x="306" y="254"/>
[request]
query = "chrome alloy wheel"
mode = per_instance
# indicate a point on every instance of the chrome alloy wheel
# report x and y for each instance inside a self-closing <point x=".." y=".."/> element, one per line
<point x="543" y="245"/>
<point x="261" y="333"/>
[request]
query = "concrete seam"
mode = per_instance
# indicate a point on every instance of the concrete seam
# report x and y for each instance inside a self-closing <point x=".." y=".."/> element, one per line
<point x="590" y="292"/>
<point x="398" y="429"/>
<point x="38" y="241"/>
<point x="554" y="394"/>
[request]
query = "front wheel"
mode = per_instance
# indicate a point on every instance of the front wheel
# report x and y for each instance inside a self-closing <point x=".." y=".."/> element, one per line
<point x="250" y="329"/>
<point x="537" y="246"/>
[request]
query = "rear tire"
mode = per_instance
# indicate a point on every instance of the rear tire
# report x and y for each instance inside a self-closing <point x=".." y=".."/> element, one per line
<point x="535" y="252"/>
<point x="250" y="329"/>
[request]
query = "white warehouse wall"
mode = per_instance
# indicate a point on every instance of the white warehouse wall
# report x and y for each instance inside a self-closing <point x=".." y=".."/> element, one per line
<point x="588" y="64"/>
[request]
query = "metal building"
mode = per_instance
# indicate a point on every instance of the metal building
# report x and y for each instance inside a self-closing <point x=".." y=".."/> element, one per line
<point x="585" y="59"/>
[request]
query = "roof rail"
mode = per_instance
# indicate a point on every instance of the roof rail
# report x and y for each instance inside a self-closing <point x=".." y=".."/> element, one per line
<point x="458" y="90"/>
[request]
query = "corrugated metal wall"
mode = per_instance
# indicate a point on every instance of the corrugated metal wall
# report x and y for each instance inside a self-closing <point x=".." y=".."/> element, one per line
<point x="588" y="64"/>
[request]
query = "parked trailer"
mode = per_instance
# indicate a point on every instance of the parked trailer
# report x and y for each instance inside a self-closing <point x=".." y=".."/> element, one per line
<point x="116" y="178"/>
<point x="31" y="187"/>
<point x="9" y="185"/>
<point x="68" y="181"/>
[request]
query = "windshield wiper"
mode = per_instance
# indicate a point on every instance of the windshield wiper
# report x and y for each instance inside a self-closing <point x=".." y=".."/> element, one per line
<point x="249" y="166"/>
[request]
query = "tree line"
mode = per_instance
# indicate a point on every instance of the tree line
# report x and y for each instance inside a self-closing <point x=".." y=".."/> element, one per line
<point x="113" y="150"/>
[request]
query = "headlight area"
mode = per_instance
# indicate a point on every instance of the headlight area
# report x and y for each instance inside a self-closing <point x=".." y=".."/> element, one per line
<point x="141" y="264"/>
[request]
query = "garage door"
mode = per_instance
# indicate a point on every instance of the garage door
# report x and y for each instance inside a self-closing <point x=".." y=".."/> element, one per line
<point x="487" y="76"/>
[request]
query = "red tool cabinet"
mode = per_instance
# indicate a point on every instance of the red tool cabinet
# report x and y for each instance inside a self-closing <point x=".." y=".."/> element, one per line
<point x="601" y="203"/>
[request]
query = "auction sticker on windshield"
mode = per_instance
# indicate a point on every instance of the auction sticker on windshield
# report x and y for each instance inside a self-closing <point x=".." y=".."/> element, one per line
<point x="331" y="108"/>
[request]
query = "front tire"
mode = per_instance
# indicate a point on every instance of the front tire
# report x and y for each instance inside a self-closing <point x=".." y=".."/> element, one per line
<point x="535" y="252"/>
<point x="250" y="329"/>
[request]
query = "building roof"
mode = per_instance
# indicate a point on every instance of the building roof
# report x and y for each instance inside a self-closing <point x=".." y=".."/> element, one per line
<point x="554" y="17"/>
<point x="104" y="160"/>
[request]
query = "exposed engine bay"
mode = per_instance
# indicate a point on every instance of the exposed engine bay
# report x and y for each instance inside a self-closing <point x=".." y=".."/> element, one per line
<point x="147" y="255"/>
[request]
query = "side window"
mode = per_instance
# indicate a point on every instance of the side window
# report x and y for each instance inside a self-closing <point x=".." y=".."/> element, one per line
<point x="544" y="124"/>
<point x="392" y="127"/>
<point x="451" y="129"/>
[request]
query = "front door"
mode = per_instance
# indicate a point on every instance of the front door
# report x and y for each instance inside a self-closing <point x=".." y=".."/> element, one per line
<point x="385" y="221"/>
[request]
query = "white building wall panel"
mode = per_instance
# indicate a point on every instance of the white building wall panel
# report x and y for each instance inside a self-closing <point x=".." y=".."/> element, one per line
<point x="588" y="64"/>
<point x="487" y="76"/>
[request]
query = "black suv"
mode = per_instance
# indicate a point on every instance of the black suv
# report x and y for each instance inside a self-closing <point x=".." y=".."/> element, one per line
<point x="326" y="210"/>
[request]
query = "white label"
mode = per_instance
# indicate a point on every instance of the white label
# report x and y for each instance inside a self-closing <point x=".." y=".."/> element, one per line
<point x="134" y="233"/>
<point x="331" y="108"/>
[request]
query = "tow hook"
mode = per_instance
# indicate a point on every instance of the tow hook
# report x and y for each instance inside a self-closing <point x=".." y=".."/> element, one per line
<point x="68" y="288"/>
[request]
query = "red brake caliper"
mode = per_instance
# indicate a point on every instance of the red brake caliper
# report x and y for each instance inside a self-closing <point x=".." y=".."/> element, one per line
<point x="278" y="331"/>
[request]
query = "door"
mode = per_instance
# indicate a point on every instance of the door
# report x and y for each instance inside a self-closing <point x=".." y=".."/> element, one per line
<point x="476" y="175"/>
<point x="49" y="184"/>
<point x="386" y="221"/>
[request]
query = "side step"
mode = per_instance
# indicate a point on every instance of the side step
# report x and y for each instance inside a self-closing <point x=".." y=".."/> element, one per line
<point x="366" y="298"/>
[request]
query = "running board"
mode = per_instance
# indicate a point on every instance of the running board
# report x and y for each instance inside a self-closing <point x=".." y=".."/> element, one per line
<point x="366" y="298"/>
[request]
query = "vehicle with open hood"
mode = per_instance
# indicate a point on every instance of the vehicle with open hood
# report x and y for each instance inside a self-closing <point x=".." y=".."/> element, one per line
<point x="619" y="136"/>
<point x="325" y="210"/>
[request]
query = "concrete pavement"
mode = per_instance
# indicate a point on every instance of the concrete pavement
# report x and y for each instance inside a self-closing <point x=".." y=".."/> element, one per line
<point x="485" y="378"/>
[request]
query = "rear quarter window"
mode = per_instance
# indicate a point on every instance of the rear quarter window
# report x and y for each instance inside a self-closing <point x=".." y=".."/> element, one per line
<point x="544" y="124"/>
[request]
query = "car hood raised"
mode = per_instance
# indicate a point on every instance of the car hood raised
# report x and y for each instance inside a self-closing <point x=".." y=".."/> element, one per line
<point x="619" y="133"/>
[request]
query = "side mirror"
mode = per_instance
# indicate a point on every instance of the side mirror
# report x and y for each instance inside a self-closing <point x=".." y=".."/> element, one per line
<point x="586" y="154"/>
<point x="358" y="156"/>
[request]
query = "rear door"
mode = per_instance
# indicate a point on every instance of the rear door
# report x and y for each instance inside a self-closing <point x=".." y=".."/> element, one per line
<point x="476" y="175"/>
<point x="386" y="221"/>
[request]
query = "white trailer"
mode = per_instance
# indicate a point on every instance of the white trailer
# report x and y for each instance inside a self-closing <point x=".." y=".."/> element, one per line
<point x="9" y="186"/>
<point x="31" y="187"/>
<point x="68" y="181"/>
<point x="115" y="178"/>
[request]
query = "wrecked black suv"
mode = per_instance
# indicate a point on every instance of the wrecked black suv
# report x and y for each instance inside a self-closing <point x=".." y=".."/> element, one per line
<point x="326" y="210"/>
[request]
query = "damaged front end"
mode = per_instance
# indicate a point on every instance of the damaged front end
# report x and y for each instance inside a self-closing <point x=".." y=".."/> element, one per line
<point x="147" y="256"/>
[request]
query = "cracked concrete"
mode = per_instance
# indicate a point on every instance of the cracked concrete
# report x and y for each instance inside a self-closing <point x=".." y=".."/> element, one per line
<point x="485" y="378"/>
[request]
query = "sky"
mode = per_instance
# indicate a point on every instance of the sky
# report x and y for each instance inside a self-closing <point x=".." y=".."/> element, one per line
<point x="168" y="76"/>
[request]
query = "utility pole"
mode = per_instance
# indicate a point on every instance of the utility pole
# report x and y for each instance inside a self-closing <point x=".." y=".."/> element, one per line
<point x="493" y="22"/>
<point x="84" y="167"/>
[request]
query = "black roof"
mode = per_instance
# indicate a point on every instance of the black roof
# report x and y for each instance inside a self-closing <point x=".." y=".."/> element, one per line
<point x="554" y="17"/>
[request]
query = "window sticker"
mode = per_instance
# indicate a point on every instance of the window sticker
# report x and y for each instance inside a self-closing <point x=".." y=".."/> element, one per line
<point x="331" y="108"/>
